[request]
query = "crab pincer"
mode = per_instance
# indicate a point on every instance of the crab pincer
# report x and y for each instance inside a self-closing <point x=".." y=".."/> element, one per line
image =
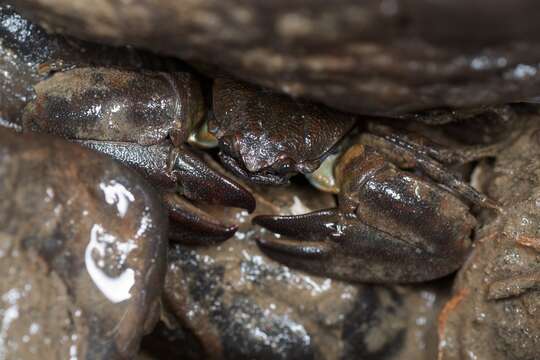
<point x="391" y="225"/>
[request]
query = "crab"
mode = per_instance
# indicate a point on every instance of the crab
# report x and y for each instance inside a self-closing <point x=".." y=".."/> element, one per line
<point x="385" y="211"/>
<point x="402" y="216"/>
<point x="143" y="119"/>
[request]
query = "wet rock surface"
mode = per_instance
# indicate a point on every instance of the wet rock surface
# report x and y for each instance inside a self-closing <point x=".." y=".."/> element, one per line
<point x="82" y="252"/>
<point x="494" y="310"/>
<point x="232" y="302"/>
<point x="378" y="57"/>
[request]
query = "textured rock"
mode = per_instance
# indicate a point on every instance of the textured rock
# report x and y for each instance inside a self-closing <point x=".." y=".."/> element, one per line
<point x="494" y="313"/>
<point x="82" y="252"/>
<point x="373" y="57"/>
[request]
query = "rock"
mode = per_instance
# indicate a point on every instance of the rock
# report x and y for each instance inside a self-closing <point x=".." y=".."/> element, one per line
<point x="82" y="252"/>
<point x="383" y="57"/>
<point x="495" y="309"/>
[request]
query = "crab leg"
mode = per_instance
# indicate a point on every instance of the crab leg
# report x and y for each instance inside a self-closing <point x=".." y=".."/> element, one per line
<point x="442" y="154"/>
<point x="411" y="155"/>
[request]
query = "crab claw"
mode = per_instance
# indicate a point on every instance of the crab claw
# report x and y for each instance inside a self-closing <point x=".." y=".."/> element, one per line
<point x="339" y="245"/>
<point x="191" y="225"/>
<point x="202" y="181"/>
